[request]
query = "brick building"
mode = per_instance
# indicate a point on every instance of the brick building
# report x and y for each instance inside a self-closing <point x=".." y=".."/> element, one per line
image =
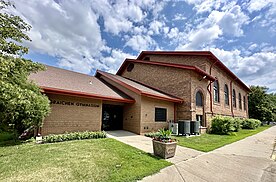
<point x="145" y="93"/>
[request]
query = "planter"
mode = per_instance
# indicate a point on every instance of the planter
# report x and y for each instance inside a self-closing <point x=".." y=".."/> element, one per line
<point x="164" y="150"/>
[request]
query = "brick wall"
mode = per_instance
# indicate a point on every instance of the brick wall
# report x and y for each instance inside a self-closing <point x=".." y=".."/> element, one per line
<point x="148" y="106"/>
<point x="131" y="112"/>
<point x="171" y="80"/>
<point x="185" y="84"/>
<point x="72" y="118"/>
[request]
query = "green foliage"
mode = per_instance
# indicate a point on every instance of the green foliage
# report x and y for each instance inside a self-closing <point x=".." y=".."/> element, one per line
<point x="250" y="123"/>
<point x="74" y="136"/>
<point x="152" y="134"/>
<point x="260" y="104"/>
<point x="21" y="102"/>
<point x="225" y="125"/>
<point x="12" y="29"/>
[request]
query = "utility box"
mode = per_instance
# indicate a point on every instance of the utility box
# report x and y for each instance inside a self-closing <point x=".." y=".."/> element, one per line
<point x="174" y="128"/>
<point x="184" y="127"/>
<point x="194" y="127"/>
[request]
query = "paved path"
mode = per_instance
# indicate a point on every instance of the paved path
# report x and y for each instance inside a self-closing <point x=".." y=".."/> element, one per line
<point x="145" y="144"/>
<point x="246" y="160"/>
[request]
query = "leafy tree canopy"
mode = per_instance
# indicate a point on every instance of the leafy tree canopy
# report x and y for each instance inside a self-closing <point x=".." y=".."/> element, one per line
<point x="261" y="105"/>
<point x="21" y="102"/>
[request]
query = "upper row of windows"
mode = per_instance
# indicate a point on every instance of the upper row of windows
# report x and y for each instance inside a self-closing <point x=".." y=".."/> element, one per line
<point x="226" y="96"/>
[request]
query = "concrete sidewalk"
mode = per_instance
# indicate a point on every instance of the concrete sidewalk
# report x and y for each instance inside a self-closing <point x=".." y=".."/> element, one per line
<point x="145" y="144"/>
<point x="247" y="160"/>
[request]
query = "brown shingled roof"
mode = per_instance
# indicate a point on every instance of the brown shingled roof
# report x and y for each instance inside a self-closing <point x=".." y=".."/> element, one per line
<point x="56" y="80"/>
<point x="139" y="88"/>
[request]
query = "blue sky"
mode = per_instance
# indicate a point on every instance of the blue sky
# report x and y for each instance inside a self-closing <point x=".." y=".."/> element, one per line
<point x="99" y="34"/>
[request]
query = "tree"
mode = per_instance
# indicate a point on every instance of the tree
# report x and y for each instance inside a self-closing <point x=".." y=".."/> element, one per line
<point x="259" y="105"/>
<point x="21" y="101"/>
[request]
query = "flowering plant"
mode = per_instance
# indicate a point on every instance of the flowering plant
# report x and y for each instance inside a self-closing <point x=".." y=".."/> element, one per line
<point x="164" y="136"/>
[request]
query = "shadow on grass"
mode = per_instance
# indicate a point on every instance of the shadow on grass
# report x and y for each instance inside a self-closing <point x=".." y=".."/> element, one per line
<point x="10" y="143"/>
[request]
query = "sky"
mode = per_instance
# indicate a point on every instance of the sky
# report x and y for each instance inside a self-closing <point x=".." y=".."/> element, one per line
<point x="87" y="35"/>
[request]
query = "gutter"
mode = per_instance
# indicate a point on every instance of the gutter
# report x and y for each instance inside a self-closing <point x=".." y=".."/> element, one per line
<point x="209" y="88"/>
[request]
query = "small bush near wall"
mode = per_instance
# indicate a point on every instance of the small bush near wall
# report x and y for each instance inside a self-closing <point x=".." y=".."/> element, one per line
<point x="152" y="134"/>
<point x="224" y="125"/>
<point x="250" y="123"/>
<point x="73" y="136"/>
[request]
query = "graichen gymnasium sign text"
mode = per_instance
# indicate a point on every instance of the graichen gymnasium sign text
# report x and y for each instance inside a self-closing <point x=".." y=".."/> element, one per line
<point x="69" y="103"/>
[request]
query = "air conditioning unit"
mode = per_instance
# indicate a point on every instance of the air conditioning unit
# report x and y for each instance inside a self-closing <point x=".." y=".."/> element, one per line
<point x="174" y="128"/>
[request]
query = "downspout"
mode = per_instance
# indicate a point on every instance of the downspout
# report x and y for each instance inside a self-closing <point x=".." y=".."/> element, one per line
<point x="209" y="89"/>
<point x="231" y="91"/>
<point x="174" y="113"/>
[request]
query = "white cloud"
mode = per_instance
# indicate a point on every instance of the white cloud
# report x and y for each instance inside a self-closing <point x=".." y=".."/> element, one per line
<point x="256" y="69"/>
<point x="257" y="5"/>
<point x="156" y="26"/>
<point x="141" y="42"/>
<point x="198" y="39"/>
<point x="230" y="21"/>
<point x="59" y="32"/>
<point x="115" y="59"/>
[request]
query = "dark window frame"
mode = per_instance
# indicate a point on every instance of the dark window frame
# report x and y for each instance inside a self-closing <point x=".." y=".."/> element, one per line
<point x="157" y="113"/>
<point x="234" y="98"/>
<point x="244" y="103"/>
<point x="226" y="95"/>
<point x="216" y="91"/>
<point x="240" y="101"/>
<point x="199" y="95"/>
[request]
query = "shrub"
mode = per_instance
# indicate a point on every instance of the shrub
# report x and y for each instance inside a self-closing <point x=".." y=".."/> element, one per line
<point x="237" y="124"/>
<point x="250" y="123"/>
<point x="73" y="136"/>
<point x="152" y="134"/>
<point x="225" y="125"/>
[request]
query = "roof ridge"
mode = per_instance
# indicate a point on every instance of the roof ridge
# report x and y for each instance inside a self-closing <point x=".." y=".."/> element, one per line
<point x="68" y="70"/>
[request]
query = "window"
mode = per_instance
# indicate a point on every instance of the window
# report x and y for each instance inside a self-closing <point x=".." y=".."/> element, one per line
<point x="200" y="119"/>
<point x="226" y="95"/>
<point x="240" y="101"/>
<point x="216" y="91"/>
<point x="234" y="98"/>
<point x="199" y="99"/>
<point x="160" y="114"/>
<point x="244" y="103"/>
<point x="130" y="67"/>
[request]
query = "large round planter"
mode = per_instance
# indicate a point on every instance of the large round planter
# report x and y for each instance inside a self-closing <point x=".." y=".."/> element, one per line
<point x="164" y="150"/>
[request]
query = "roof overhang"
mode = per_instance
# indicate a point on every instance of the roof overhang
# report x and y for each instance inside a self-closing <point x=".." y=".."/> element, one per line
<point x="137" y="91"/>
<point x="207" y="54"/>
<point x="51" y="90"/>
<point x="180" y="66"/>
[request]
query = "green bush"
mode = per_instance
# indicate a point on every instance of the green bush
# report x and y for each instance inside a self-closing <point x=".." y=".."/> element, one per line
<point x="225" y="125"/>
<point x="152" y="134"/>
<point x="73" y="136"/>
<point x="250" y="123"/>
<point x="237" y="124"/>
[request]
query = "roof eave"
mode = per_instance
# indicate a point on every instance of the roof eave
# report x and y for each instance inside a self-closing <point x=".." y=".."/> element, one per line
<point x="83" y="94"/>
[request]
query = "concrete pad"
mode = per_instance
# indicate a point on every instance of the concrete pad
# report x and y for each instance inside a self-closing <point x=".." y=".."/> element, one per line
<point x="145" y="143"/>
<point x="183" y="154"/>
<point x="167" y="174"/>
<point x="259" y="145"/>
<point x="138" y="141"/>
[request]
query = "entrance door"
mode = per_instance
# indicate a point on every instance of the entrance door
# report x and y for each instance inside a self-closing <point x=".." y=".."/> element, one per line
<point x="112" y="117"/>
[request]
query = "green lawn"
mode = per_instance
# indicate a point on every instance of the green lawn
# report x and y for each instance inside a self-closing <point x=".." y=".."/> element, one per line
<point x="86" y="160"/>
<point x="209" y="142"/>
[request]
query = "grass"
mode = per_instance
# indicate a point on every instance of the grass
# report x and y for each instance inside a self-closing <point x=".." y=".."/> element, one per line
<point x="85" y="160"/>
<point x="209" y="142"/>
